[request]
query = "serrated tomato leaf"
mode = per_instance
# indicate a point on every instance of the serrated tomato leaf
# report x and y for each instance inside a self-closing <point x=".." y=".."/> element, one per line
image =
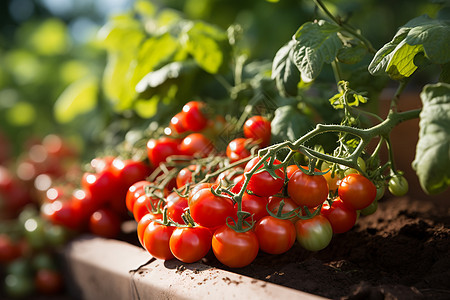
<point x="420" y="36"/>
<point x="317" y="43"/>
<point x="284" y="70"/>
<point x="289" y="124"/>
<point x="432" y="161"/>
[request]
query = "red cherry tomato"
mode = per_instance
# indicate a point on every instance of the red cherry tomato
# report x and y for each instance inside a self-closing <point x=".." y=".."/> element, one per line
<point x="101" y="186"/>
<point x="341" y="216"/>
<point x="185" y="175"/>
<point x="196" y="144"/>
<point x="105" y="223"/>
<point x="63" y="213"/>
<point x="263" y="184"/>
<point x="48" y="282"/>
<point x="9" y="250"/>
<point x="142" y="224"/>
<point x="198" y="187"/>
<point x="254" y="205"/>
<point x="129" y="172"/>
<point x="209" y="210"/>
<point x="357" y="191"/>
<point x="134" y="192"/>
<point x="156" y="240"/>
<point x="176" y="207"/>
<point x="144" y="205"/>
<point x="307" y="190"/>
<point x="177" y="122"/>
<point x="238" y="149"/>
<point x="275" y="236"/>
<point x="190" y="244"/>
<point x="194" y="117"/>
<point x="234" y="249"/>
<point x="258" y="128"/>
<point x="158" y="150"/>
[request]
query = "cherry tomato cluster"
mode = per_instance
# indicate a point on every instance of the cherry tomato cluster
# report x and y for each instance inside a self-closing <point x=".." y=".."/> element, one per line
<point x="97" y="203"/>
<point x="233" y="202"/>
<point x="28" y="241"/>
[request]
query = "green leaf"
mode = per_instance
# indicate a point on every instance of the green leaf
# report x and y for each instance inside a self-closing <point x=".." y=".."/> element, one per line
<point x="420" y="36"/>
<point x="289" y="124"/>
<point x="317" y="43"/>
<point x="284" y="70"/>
<point x="445" y="73"/>
<point x="121" y="33"/>
<point x="432" y="161"/>
<point x="381" y="59"/>
<point x="78" y="98"/>
<point x="169" y="72"/>
<point x="434" y="35"/>
<point x="206" y="44"/>
<point x="351" y="53"/>
<point x="401" y="64"/>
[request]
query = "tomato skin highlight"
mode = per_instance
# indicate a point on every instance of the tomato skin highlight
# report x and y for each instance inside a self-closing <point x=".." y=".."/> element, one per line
<point x="275" y="236"/>
<point x="314" y="234"/>
<point x="357" y="191"/>
<point x="156" y="240"/>
<point x="209" y="210"/>
<point x="342" y="217"/>
<point x="190" y="244"/>
<point x="263" y="184"/>
<point x="307" y="190"/>
<point x="234" y="249"/>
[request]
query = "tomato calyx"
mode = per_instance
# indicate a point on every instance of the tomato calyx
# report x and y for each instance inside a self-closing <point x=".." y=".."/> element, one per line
<point x="280" y="214"/>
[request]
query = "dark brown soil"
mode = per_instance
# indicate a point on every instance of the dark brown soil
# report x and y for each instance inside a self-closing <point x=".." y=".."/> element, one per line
<point x="400" y="252"/>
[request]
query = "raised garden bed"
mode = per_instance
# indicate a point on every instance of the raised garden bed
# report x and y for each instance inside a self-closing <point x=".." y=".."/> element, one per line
<point x="400" y="252"/>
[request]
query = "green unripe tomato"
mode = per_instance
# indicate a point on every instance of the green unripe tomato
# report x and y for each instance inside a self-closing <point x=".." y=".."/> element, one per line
<point x="398" y="185"/>
<point x="372" y="208"/>
<point x="381" y="189"/>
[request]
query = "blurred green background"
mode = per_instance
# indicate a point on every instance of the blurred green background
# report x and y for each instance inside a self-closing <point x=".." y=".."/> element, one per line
<point x="52" y="60"/>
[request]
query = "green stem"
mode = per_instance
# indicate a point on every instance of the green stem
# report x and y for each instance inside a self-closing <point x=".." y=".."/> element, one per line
<point x="401" y="87"/>
<point x="344" y="26"/>
<point x="336" y="71"/>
